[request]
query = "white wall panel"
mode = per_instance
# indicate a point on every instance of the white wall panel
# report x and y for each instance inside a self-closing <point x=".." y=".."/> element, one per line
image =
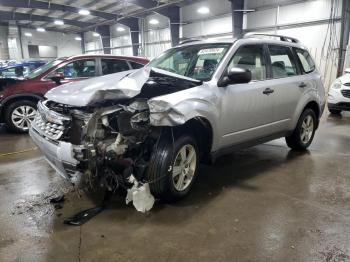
<point x="65" y="43"/>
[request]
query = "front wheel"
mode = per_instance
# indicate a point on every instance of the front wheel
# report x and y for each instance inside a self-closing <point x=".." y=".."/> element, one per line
<point x="304" y="132"/>
<point x="19" y="115"/>
<point x="173" y="168"/>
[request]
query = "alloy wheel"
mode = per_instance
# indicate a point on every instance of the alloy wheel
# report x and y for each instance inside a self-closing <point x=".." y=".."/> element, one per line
<point x="307" y="129"/>
<point x="184" y="167"/>
<point x="22" y="116"/>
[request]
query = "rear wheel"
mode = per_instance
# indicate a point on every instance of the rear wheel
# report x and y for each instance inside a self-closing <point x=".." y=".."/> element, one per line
<point x="173" y="168"/>
<point x="304" y="132"/>
<point x="19" y="115"/>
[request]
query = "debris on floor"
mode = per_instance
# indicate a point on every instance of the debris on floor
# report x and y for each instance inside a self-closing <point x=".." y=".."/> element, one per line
<point x="140" y="195"/>
<point x="83" y="216"/>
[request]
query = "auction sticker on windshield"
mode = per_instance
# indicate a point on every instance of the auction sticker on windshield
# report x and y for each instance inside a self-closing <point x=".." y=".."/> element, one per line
<point x="211" y="51"/>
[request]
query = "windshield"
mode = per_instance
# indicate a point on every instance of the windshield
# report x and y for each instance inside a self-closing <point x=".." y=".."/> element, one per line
<point x="195" y="61"/>
<point x="44" y="68"/>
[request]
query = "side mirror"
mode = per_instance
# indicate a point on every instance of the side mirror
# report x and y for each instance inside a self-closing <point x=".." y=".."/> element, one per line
<point x="57" y="78"/>
<point x="236" y="75"/>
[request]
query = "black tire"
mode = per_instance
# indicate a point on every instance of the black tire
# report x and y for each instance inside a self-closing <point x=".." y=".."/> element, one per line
<point x="11" y="108"/>
<point x="294" y="141"/>
<point x="160" y="171"/>
<point x="334" y="111"/>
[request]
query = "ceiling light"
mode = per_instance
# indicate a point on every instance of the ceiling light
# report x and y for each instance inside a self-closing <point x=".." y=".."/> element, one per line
<point x="78" y="38"/>
<point x="154" y="22"/>
<point x="203" y="10"/>
<point x="120" y="29"/>
<point x="84" y="12"/>
<point x="95" y="34"/>
<point x="28" y="34"/>
<point x="41" y="29"/>
<point x="58" y="22"/>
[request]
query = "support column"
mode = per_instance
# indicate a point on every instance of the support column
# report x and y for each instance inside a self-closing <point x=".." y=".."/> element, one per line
<point x="173" y="13"/>
<point x="82" y="43"/>
<point x="237" y="17"/>
<point x="105" y="34"/>
<point x="344" y="35"/>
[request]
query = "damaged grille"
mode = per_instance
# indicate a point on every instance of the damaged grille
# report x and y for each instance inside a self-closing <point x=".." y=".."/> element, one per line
<point x="48" y="123"/>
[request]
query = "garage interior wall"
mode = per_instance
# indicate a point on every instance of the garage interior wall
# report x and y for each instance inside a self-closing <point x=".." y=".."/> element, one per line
<point x="65" y="43"/>
<point x="157" y="38"/>
<point x="121" y="41"/>
<point x="307" y="21"/>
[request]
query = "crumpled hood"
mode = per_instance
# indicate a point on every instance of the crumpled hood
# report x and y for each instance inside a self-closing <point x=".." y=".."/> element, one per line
<point x="123" y="85"/>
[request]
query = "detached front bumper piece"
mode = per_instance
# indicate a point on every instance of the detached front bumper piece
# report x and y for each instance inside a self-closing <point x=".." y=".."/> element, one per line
<point x="58" y="154"/>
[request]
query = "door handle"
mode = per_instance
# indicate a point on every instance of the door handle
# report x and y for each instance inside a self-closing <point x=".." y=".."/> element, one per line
<point x="302" y="85"/>
<point x="268" y="91"/>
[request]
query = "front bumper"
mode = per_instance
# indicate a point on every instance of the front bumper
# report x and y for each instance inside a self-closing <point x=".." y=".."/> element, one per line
<point x="58" y="154"/>
<point x="343" y="106"/>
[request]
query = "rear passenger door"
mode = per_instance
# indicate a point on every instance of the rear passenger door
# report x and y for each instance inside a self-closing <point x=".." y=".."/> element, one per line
<point x="286" y="83"/>
<point x="111" y="66"/>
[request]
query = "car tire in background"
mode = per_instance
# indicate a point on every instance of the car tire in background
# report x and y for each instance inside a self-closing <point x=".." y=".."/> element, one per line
<point x="19" y="114"/>
<point x="304" y="132"/>
<point x="173" y="167"/>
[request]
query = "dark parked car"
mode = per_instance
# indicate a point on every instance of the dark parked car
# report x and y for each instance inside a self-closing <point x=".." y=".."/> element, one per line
<point x="20" y="70"/>
<point x="19" y="97"/>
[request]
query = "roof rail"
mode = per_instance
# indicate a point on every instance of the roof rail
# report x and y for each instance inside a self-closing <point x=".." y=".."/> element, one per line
<point x="281" y="37"/>
<point x="189" y="41"/>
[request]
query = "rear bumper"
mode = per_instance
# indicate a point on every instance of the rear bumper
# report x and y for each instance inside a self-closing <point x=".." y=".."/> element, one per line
<point x="59" y="155"/>
<point x="343" y="106"/>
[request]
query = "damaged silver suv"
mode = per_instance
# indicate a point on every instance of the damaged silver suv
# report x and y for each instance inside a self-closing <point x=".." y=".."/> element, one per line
<point x="153" y="126"/>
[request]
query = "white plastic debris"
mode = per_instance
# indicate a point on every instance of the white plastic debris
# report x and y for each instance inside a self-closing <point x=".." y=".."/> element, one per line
<point x="140" y="195"/>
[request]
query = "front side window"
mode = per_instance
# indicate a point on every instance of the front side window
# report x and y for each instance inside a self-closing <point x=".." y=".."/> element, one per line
<point x="196" y="61"/>
<point x="306" y="61"/>
<point x="79" y="68"/>
<point x="282" y="61"/>
<point x="110" y="66"/>
<point x="250" y="57"/>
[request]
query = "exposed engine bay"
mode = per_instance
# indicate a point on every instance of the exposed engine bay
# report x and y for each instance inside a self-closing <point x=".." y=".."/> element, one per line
<point x="110" y="140"/>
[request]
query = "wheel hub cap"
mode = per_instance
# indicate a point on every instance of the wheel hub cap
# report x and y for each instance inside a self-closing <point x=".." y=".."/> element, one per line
<point x="184" y="167"/>
<point x="22" y="117"/>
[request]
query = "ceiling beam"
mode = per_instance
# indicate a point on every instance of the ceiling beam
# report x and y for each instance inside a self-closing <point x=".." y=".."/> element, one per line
<point x="35" y="4"/>
<point x="16" y="16"/>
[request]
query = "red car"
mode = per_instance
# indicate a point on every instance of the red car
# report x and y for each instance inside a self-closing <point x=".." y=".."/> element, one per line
<point x="19" y="97"/>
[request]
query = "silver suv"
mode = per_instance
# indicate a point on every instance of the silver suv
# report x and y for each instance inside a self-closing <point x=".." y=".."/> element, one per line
<point x="152" y="127"/>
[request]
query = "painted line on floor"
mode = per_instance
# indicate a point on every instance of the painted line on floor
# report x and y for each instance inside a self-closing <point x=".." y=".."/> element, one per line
<point x="19" y="152"/>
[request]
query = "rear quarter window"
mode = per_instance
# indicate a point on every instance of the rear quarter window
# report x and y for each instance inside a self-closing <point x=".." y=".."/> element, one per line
<point x="305" y="59"/>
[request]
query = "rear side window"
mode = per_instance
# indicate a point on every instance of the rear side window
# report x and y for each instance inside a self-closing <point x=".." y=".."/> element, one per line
<point x="110" y="66"/>
<point x="250" y="57"/>
<point x="306" y="61"/>
<point x="135" y="65"/>
<point x="282" y="61"/>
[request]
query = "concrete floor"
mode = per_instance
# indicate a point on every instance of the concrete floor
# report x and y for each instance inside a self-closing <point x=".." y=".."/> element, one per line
<point x="265" y="203"/>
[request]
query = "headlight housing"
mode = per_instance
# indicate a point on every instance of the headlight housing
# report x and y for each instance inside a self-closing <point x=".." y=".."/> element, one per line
<point x="337" y="84"/>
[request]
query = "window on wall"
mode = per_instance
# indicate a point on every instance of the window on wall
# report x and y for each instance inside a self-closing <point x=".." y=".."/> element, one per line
<point x="110" y="66"/>
<point x="79" y="68"/>
<point x="282" y="61"/>
<point x="250" y="57"/>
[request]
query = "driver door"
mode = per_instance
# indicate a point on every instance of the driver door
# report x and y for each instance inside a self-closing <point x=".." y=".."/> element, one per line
<point x="247" y="108"/>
